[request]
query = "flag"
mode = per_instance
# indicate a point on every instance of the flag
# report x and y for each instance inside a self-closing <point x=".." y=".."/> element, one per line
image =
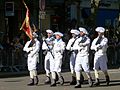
<point x="26" y="24"/>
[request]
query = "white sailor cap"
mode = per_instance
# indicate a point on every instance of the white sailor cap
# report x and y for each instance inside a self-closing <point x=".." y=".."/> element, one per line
<point x="83" y="30"/>
<point x="49" y="31"/>
<point x="58" y="33"/>
<point x="75" y="31"/>
<point x="100" y="29"/>
<point x="34" y="34"/>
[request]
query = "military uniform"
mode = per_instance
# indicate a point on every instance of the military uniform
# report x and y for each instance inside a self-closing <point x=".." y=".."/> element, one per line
<point x="75" y="34"/>
<point x="58" y="50"/>
<point x="82" y="61"/>
<point x="47" y="47"/>
<point x="32" y="48"/>
<point x="99" y="45"/>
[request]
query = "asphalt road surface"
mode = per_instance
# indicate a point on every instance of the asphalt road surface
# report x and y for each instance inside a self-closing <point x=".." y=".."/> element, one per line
<point x="20" y="83"/>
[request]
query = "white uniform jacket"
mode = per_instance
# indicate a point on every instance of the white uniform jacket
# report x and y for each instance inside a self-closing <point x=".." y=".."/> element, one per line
<point x="100" y="49"/>
<point x="58" y="49"/>
<point x="70" y="42"/>
<point x="33" y="54"/>
<point x="49" y="42"/>
<point x="82" y="48"/>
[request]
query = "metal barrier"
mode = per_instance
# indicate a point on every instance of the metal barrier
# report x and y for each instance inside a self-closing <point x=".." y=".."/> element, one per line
<point x="12" y="61"/>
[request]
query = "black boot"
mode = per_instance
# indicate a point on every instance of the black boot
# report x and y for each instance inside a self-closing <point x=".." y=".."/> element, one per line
<point x="97" y="82"/>
<point x="73" y="82"/>
<point x="107" y="80"/>
<point x="53" y="84"/>
<point x="31" y="83"/>
<point x="78" y="85"/>
<point x="36" y="80"/>
<point x="47" y="81"/>
<point x="61" y="79"/>
<point x="90" y="82"/>
<point x="81" y="78"/>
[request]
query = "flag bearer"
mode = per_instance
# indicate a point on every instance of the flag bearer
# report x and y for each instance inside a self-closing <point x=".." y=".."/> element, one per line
<point x="32" y="48"/>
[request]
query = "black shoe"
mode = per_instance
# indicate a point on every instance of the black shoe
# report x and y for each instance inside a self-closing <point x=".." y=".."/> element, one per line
<point x="47" y="81"/>
<point x="90" y="82"/>
<point x="81" y="78"/>
<point x="78" y="85"/>
<point x="107" y="80"/>
<point x="96" y="83"/>
<point x="32" y="83"/>
<point x="61" y="79"/>
<point x="36" y="80"/>
<point x="73" y="82"/>
<point x="53" y="84"/>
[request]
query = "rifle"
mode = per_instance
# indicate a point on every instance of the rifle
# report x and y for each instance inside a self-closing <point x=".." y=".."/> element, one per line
<point x="49" y="48"/>
<point x="83" y="39"/>
<point x="72" y="46"/>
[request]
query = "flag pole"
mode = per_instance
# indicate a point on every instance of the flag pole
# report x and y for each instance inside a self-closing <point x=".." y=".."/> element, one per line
<point x="26" y="23"/>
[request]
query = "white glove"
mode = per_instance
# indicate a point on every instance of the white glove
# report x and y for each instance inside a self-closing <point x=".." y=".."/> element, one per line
<point x="30" y="48"/>
<point x="71" y="49"/>
<point x="80" y="44"/>
<point x="99" y="46"/>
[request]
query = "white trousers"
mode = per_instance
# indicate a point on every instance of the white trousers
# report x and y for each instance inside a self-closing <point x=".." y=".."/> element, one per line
<point x="72" y="62"/>
<point x="82" y="62"/>
<point x="48" y="59"/>
<point x="32" y="62"/>
<point x="55" y="65"/>
<point x="100" y="61"/>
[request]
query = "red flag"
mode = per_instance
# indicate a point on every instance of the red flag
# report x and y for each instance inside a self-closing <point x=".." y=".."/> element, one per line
<point x="26" y="24"/>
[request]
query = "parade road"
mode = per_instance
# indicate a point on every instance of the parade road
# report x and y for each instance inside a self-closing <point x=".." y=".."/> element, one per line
<point x="20" y="83"/>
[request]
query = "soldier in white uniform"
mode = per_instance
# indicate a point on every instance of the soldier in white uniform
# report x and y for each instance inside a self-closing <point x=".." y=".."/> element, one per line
<point x="58" y="50"/>
<point x="99" y="45"/>
<point x="47" y="47"/>
<point x="75" y="35"/>
<point x="32" y="48"/>
<point x="82" y="46"/>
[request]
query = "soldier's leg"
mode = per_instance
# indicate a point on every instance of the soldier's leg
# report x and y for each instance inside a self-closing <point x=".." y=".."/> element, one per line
<point x="72" y="66"/>
<point x="85" y="66"/>
<point x="47" y="69"/>
<point x="58" y="65"/>
<point x="96" y="68"/>
<point x="31" y="78"/>
<point x="35" y="77"/>
<point x="78" y="84"/>
<point x="77" y="71"/>
<point x="53" y="74"/>
<point x="103" y="66"/>
<point x="96" y="78"/>
<point x="61" y="79"/>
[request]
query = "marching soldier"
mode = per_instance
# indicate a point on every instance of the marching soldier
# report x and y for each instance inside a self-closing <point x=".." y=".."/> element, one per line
<point x="32" y="48"/>
<point x="55" y="65"/>
<point x="75" y="34"/>
<point x="81" y="47"/>
<point x="47" y="47"/>
<point x="99" y="45"/>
